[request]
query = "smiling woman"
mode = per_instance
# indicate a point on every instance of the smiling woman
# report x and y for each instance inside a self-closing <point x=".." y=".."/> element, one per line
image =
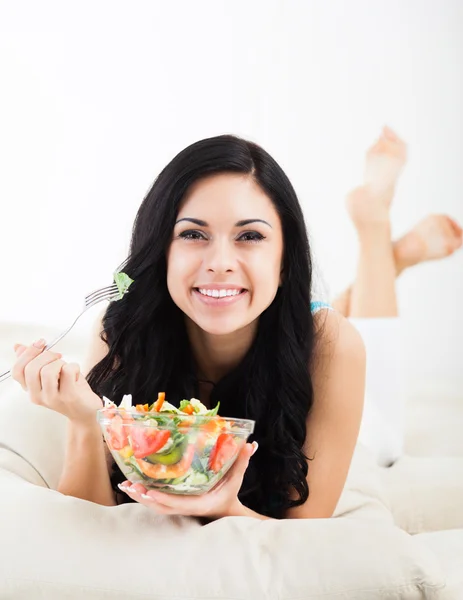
<point x="224" y="273"/>
<point x="219" y="309"/>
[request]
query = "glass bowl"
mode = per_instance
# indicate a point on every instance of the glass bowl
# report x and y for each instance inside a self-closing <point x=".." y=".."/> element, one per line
<point x="173" y="453"/>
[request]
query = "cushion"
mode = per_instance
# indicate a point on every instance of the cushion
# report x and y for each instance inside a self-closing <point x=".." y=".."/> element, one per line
<point x="55" y="546"/>
<point x="425" y="493"/>
<point x="448" y="547"/>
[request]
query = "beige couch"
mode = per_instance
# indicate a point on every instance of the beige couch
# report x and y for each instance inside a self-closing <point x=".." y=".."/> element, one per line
<point x="397" y="533"/>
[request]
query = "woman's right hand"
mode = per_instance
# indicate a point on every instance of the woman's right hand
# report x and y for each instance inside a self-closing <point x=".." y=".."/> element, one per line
<point x="55" y="384"/>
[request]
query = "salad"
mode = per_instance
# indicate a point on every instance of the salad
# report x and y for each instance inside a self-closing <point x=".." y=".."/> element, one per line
<point x="178" y="450"/>
<point x="122" y="282"/>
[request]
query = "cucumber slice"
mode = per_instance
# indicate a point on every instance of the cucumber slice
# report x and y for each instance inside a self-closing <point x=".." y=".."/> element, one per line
<point x="180" y="479"/>
<point x="198" y="479"/>
<point x="171" y="458"/>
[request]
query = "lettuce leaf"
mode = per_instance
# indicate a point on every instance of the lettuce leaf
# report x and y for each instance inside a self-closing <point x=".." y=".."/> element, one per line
<point x="123" y="283"/>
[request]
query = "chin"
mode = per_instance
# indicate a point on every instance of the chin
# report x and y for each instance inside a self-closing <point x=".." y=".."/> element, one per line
<point x="223" y="328"/>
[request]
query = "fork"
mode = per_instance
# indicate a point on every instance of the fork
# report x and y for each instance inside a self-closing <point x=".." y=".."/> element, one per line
<point x="109" y="292"/>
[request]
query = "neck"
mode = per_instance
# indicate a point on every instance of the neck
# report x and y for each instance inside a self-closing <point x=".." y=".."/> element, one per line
<point x="217" y="355"/>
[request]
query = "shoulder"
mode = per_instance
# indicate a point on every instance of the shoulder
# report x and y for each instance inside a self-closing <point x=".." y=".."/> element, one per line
<point x="338" y="364"/>
<point x="337" y="372"/>
<point x="336" y="336"/>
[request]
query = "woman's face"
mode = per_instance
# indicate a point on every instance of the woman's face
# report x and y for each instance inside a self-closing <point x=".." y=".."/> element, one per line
<point x="225" y="260"/>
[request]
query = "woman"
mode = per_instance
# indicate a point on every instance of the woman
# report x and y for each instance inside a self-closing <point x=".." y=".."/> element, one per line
<point x="371" y="303"/>
<point x="221" y="215"/>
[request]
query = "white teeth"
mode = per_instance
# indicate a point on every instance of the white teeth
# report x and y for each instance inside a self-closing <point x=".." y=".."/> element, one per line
<point x="219" y="293"/>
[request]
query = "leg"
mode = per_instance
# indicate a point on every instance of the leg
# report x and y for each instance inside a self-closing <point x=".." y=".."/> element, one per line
<point x="433" y="238"/>
<point x="372" y="305"/>
<point x="373" y="291"/>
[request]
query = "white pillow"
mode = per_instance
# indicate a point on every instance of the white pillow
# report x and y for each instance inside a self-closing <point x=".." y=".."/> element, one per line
<point x="56" y="547"/>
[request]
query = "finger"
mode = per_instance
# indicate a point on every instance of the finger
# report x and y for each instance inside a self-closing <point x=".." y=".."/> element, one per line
<point x="30" y="352"/>
<point x="139" y="488"/>
<point x="177" y="504"/>
<point x="238" y="469"/>
<point x="69" y="375"/>
<point x="19" y="349"/>
<point x="49" y="376"/>
<point x="146" y="501"/>
<point x="32" y="373"/>
<point x="242" y="462"/>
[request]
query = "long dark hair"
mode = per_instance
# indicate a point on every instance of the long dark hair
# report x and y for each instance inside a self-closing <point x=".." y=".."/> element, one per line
<point x="149" y="350"/>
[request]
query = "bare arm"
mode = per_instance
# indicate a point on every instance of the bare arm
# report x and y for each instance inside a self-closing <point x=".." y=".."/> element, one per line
<point x="334" y="421"/>
<point x="86" y="466"/>
<point x="85" y="474"/>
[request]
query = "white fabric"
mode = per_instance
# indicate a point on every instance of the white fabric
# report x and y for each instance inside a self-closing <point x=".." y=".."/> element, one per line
<point x="448" y="547"/>
<point x="382" y="428"/>
<point x="58" y="547"/>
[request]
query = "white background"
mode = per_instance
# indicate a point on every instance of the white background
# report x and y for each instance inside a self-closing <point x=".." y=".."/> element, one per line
<point x="96" y="97"/>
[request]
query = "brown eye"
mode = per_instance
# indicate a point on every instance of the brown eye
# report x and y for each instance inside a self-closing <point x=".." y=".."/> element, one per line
<point x="192" y="235"/>
<point x="251" y="237"/>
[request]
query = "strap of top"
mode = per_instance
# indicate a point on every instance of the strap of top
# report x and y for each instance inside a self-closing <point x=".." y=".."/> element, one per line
<point x="318" y="305"/>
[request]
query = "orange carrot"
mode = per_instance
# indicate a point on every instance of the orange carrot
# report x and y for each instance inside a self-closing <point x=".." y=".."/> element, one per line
<point x="159" y="402"/>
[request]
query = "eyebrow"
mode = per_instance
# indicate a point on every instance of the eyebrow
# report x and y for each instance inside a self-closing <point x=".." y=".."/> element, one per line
<point x="237" y="224"/>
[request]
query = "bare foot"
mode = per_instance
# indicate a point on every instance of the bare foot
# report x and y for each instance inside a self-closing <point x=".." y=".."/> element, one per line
<point x="436" y="236"/>
<point x="366" y="208"/>
<point x="384" y="163"/>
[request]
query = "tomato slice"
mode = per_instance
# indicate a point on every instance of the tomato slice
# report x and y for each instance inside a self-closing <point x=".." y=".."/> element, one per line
<point x="168" y="471"/>
<point x="116" y="432"/>
<point x="210" y="429"/>
<point x="222" y="452"/>
<point x="147" y="440"/>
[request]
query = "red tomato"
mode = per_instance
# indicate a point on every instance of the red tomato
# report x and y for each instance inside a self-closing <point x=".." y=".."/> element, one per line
<point x="222" y="452"/>
<point x="169" y="471"/>
<point x="117" y="433"/>
<point x="210" y="429"/>
<point x="147" y="440"/>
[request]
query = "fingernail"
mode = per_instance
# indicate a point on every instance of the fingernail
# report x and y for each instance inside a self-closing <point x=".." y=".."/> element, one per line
<point x="146" y="497"/>
<point x="256" y="445"/>
<point x="121" y="487"/>
<point x="39" y="343"/>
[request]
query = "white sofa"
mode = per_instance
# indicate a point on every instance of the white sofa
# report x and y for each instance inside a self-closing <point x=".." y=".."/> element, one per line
<point x="397" y="532"/>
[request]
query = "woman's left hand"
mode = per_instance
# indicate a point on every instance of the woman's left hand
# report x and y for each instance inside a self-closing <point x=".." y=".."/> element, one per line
<point x="221" y="501"/>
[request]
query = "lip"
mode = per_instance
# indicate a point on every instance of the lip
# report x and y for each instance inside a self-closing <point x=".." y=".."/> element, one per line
<point x="220" y="286"/>
<point x="224" y="301"/>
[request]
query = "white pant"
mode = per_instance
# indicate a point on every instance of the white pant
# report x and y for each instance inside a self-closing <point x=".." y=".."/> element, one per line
<point x="382" y="427"/>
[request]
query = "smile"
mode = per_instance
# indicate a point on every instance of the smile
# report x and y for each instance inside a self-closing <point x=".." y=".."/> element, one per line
<point x="219" y="297"/>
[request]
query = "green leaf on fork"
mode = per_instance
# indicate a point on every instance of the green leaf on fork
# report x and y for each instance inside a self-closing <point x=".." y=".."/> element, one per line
<point x="123" y="283"/>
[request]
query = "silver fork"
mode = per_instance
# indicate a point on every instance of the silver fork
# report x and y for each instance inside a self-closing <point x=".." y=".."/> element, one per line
<point x="109" y="292"/>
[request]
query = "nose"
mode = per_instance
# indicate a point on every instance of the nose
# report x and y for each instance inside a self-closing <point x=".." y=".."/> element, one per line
<point x="220" y="257"/>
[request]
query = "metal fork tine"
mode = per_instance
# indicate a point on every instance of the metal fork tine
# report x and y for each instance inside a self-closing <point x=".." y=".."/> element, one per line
<point x="109" y="292"/>
<point x="101" y="298"/>
<point x="98" y="293"/>
<point x="103" y="289"/>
